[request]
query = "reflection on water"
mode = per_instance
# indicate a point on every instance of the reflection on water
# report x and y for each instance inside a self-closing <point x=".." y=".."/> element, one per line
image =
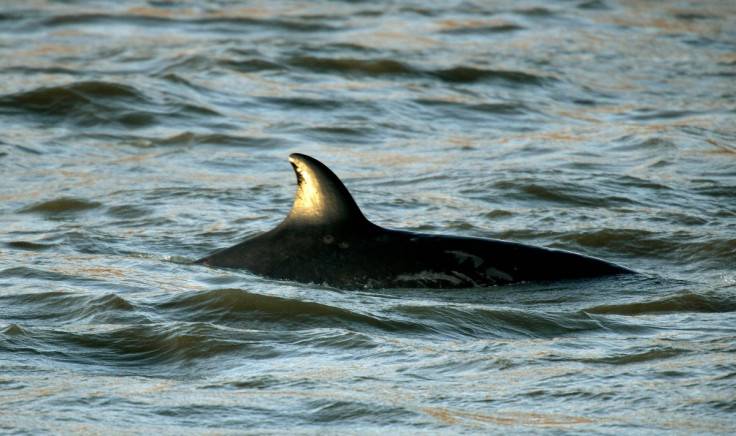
<point x="138" y="136"/>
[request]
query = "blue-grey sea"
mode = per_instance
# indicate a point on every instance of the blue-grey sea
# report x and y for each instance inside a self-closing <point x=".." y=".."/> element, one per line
<point x="137" y="136"/>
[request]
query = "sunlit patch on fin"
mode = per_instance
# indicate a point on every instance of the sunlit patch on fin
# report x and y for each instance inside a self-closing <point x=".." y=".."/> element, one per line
<point x="321" y="198"/>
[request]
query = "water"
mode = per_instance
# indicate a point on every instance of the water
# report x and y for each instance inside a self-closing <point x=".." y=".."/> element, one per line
<point x="139" y="136"/>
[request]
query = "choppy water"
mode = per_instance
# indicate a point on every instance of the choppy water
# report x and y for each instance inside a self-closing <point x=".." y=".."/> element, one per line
<point x="138" y="136"/>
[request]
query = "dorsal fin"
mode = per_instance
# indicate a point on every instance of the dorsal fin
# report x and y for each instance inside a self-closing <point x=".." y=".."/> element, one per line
<point x="321" y="198"/>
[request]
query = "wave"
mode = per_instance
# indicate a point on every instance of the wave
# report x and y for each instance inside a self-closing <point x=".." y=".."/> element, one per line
<point x="133" y="345"/>
<point x="168" y="332"/>
<point x="60" y="206"/>
<point x="70" y="307"/>
<point x="490" y="113"/>
<point x="482" y="30"/>
<point x="28" y="273"/>
<point x="91" y="103"/>
<point x="685" y="301"/>
<point x="88" y="101"/>
<point x="266" y="311"/>
<point x="390" y="67"/>
<point x="372" y="67"/>
<point x="463" y="74"/>
<point x="554" y="191"/>
<point x="28" y="245"/>
<point x="219" y="24"/>
<point x="172" y="70"/>
<point x="166" y="349"/>
<point x="506" y="322"/>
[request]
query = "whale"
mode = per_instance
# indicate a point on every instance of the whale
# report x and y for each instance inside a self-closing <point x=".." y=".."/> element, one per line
<point x="326" y="240"/>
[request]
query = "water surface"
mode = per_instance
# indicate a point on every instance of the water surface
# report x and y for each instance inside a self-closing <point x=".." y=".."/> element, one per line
<point x="138" y="136"/>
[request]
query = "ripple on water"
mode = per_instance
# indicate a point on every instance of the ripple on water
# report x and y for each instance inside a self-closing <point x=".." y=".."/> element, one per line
<point x="70" y="307"/>
<point x="61" y="207"/>
<point x="249" y="310"/>
<point x="92" y="103"/>
<point x="390" y="67"/>
<point x="684" y="301"/>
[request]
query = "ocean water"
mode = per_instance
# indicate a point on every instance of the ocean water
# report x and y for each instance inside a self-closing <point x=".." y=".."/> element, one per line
<point x="139" y="136"/>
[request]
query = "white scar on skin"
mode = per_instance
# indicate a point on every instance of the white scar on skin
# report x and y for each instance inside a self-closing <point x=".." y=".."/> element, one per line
<point x="461" y="257"/>
<point x="493" y="273"/>
<point x="432" y="276"/>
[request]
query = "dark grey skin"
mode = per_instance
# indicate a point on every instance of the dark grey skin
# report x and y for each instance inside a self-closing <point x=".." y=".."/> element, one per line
<point x="326" y="240"/>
